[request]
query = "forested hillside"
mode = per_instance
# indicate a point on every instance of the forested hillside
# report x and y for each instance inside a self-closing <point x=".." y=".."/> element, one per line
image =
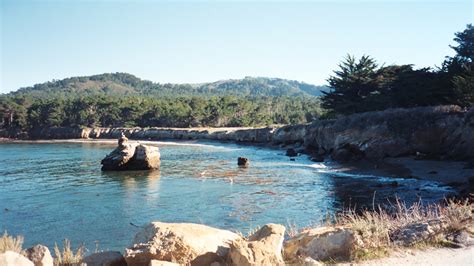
<point x="127" y="84"/>
<point x="120" y="99"/>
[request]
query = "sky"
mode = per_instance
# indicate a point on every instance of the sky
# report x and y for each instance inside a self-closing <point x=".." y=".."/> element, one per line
<point x="203" y="41"/>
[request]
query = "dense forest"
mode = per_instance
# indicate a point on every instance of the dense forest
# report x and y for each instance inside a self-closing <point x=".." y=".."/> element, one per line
<point x="123" y="100"/>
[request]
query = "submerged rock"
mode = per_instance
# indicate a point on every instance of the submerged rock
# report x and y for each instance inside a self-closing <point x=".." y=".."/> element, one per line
<point x="321" y="244"/>
<point x="261" y="248"/>
<point x="40" y="255"/>
<point x="131" y="156"/>
<point x="183" y="243"/>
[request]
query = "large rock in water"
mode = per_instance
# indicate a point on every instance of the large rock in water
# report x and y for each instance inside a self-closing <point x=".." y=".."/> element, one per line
<point x="131" y="156"/>
<point x="183" y="243"/>
<point x="261" y="248"/>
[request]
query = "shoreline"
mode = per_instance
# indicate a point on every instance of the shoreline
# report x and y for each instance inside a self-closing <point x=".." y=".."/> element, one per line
<point x="456" y="174"/>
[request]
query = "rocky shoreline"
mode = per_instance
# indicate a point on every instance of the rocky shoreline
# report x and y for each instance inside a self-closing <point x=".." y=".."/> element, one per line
<point x="441" y="132"/>
<point x="353" y="238"/>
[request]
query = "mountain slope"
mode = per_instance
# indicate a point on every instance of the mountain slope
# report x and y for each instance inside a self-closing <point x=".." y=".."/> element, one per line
<point x="127" y="84"/>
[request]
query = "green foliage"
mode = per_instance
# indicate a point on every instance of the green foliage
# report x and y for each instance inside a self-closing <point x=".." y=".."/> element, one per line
<point x="130" y="111"/>
<point x="354" y="84"/>
<point x="126" y="84"/>
<point x="361" y="85"/>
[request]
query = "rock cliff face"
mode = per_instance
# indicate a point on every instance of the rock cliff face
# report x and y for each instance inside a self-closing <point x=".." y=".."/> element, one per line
<point x="444" y="132"/>
<point x="438" y="132"/>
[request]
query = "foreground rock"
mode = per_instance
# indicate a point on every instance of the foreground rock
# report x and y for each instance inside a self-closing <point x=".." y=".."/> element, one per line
<point x="320" y="244"/>
<point x="418" y="232"/>
<point x="131" y="156"/>
<point x="182" y="243"/>
<point x="107" y="258"/>
<point x="261" y="248"/>
<point x="10" y="258"/>
<point x="40" y="255"/>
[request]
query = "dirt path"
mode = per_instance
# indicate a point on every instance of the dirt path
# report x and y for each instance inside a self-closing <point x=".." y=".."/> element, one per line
<point x="441" y="257"/>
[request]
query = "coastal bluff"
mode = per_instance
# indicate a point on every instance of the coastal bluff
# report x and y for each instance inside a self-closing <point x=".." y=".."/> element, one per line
<point x="441" y="132"/>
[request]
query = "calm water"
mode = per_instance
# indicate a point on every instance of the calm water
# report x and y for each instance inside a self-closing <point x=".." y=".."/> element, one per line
<point x="49" y="192"/>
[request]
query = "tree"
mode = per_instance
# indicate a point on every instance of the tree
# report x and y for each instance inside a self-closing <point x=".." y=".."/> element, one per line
<point x="459" y="70"/>
<point x="352" y="86"/>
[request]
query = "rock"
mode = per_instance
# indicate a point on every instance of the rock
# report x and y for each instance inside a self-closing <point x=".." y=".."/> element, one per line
<point x="10" y="258"/>
<point x="182" y="243"/>
<point x="162" y="263"/>
<point x="461" y="239"/>
<point x="321" y="243"/>
<point x="242" y="161"/>
<point x="417" y="232"/>
<point x="261" y="248"/>
<point x="317" y="158"/>
<point x="291" y="152"/>
<point x="347" y="153"/>
<point x="131" y="157"/>
<point x="106" y="258"/>
<point x="40" y="255"/>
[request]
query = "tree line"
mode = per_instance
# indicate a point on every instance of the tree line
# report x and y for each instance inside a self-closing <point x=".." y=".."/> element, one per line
<point x="27" y="113"/>
<point x="361" y="85"/>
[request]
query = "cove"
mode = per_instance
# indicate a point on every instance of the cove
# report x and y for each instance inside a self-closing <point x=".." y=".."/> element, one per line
<point x="52" y="191"/>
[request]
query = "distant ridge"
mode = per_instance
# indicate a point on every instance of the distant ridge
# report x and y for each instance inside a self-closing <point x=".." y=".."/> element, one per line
<point x="127" y="84"/>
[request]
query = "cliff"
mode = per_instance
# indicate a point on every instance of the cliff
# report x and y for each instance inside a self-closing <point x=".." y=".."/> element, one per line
<point x="442" y="132"/>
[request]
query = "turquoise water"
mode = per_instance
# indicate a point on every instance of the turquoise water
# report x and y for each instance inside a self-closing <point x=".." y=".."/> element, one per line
<point x="52" y="191"/>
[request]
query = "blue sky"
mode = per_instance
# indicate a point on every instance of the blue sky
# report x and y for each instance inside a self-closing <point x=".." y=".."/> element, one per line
<point x="197" y="41"/>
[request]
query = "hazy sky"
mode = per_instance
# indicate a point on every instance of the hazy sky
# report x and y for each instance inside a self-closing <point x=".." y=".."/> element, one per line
<point x="198" y="41"/>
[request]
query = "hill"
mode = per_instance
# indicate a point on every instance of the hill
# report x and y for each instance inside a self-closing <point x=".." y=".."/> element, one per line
<point x="127" y="84"/>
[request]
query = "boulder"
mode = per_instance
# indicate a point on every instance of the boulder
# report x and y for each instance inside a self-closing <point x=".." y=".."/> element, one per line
<point x="40" y="255"/>
<point x="418" y="232"/>
<point x="106" y="258"/>
<point x="242" y="161"/>
<point x="321" y="243"/>
<point x="131" y="156"/>
<point x="182" y="243"/>
<point x="261" y="248"/>
<point x="10" y="258"/>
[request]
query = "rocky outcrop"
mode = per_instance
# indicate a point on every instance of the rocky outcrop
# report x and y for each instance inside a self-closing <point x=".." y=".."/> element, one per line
<point x="40" y="255"/>
<point x="320" y="244"/>
<point x="131" y="156"/>
<point x="412" y="234"/>
<point x="10" y="258"/>
<point x="106" y="258"/>
<point x="438" y="132"/>
<point x="264" y="247"/>
<point x="182" y="243"/>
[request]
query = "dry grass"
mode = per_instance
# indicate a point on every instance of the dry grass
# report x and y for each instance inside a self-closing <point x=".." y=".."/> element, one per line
<point x="67" y="257"/>
<point x="11" y="243"/>
<point x="374" y="226"/>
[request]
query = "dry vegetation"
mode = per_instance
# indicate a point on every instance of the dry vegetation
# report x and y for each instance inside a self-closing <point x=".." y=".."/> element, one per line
<point x="67" y="256"/>
<point x="376" y="227"/>
<point x="11" y="243"/>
